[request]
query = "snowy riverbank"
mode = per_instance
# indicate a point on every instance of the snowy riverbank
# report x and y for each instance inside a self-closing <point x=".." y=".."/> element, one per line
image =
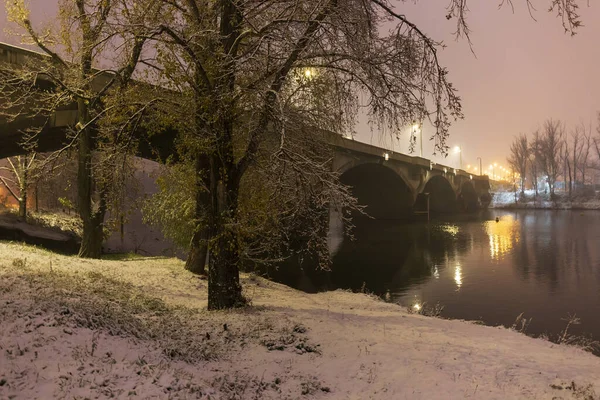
<point x="136" y="328"/>
<point x="506" y="200"/>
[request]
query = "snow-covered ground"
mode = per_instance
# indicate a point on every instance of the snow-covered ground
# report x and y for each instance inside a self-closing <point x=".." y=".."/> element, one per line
<point x="562" y="202"/>
<point x="137" y="328"/>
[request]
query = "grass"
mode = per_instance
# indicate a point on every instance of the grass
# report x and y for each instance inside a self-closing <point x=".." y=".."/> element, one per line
<point x="114" y="296"/>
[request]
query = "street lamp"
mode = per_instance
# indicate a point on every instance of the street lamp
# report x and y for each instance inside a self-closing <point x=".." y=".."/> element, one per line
<point x="458" y="150"/>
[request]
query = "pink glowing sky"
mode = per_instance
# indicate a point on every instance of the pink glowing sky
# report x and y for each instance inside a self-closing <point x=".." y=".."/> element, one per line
<point x="522" y="73"/>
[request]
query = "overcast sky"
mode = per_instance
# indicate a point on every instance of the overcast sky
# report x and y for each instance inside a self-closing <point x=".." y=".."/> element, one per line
<point x="522" y="73"/>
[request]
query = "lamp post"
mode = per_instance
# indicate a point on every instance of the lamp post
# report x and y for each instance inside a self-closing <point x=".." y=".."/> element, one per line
<point x="458" y="150"/>
<point x="479" y="158"/>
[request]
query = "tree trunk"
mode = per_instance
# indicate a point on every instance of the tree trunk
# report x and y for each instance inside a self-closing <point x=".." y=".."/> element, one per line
<point x="224" y="289"/>
<point x="93" y="236"/>
<point x="522" y="184"/>
<point x="574" y="181"/>
<point x="196" y="260"/>
<point x="22" y="165"/>
<point x="37" y="195"/>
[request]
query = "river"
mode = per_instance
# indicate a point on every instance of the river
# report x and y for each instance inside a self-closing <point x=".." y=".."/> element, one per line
<point x="544" y="264"/>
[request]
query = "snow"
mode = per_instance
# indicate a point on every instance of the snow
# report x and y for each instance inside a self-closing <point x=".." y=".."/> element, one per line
<point x="507" y="200"/>
<point x="355" y="346"/>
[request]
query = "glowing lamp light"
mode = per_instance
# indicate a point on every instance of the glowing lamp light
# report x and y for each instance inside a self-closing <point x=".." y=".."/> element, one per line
<point x="457" y="149"/>
<point x="417" y="307"/>
<point x="308" y="73"/>
<point x="470" y="176"/>
<point x="386" y="156"/>
<point x="445" y="170"/>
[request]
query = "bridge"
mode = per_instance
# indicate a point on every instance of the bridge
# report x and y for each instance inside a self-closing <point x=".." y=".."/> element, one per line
<point x="390" y="185"/>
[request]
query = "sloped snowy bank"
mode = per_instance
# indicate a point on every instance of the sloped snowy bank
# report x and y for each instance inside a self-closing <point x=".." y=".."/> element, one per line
<point x="288" y="345"/>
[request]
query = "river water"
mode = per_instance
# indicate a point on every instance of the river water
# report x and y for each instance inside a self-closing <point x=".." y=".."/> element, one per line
<point x="544" y="264"/>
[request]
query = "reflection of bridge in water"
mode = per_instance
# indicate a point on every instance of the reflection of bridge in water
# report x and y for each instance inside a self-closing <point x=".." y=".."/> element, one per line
<point x="391" y="185"/>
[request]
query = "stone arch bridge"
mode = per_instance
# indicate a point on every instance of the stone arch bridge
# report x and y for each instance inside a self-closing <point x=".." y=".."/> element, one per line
<point x="394" y="185"/>
<point x="390" y="185"/>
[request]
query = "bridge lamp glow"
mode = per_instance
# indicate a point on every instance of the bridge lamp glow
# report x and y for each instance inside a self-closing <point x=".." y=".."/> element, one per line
<point x="470" y="176"/>
<point x="386" y="156"/>
<point x="457" y="149"/>
<point x="445" y="170"/>
<point x="417" y="307"/>
<point x="309" y="73"/>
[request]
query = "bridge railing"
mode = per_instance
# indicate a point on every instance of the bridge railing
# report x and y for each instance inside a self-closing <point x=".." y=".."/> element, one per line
<point x="365" y="148"/>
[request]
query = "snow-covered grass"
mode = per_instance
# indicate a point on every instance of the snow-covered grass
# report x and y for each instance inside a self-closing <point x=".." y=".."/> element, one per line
<point x="543" y="201"/>
<point x="134" y="327"/>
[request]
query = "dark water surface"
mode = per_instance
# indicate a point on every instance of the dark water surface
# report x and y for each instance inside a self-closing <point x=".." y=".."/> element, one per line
<point x="545" y="264"/>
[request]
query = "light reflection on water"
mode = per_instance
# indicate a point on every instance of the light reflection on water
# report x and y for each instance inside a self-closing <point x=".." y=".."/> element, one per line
<point x="545" y="264"/>
<point x="458" y="276"/>
<point x="502" y="235"/>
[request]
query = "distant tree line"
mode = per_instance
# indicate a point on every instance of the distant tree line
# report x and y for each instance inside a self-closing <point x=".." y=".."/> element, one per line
<point x="554" y="152"/>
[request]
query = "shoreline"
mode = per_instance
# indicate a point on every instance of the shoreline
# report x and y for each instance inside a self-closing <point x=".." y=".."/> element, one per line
<point x="505" y="200"/>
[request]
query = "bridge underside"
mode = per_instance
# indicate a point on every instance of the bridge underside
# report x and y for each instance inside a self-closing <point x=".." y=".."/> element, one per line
<point x="386" y="193"/>
<point x="383" y="193"/>
<point x="442" y="198"/>
<point x="157" y="147"/>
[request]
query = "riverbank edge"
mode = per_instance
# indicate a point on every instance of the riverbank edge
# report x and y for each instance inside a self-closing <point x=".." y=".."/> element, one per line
<point x="506" y="201"/>
<point x="576" y="207"/>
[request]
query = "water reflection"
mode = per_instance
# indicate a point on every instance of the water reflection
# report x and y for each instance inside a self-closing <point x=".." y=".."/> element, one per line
<point x="543" y="263"/>
<point x="503" y="235"/>
<point x="458" y="276"/>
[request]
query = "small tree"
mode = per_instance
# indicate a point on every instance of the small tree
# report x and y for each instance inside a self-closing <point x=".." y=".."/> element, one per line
<point x="172" y="208"/>
<point x="534" y="161"/>
<point x="90" y="32"/>
<point x="551" y="144"/>
<point x="519" y="158"/>
<point x="584" y="151"/>
<point x="565" y="156"/>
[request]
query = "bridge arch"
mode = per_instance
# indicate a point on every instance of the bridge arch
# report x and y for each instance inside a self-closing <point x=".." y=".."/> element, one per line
<point x="384" y="193"/>
<point x="442" y="198"/>
<point x="467" y="197"/>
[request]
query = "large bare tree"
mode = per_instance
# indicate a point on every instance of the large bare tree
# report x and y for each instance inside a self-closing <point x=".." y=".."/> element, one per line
<point x="264" y="79"/>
